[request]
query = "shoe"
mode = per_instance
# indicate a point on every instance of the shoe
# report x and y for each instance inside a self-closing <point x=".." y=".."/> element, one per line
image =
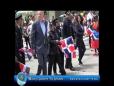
<point x="80" y="63"/>
<point x="63" y="73"/>
<point x="37" y="74"/>
<point x="55" y="74"/>
<point x="72" y="69"/>
<point x="67" y="67"/>
<point x="95" y="54"/>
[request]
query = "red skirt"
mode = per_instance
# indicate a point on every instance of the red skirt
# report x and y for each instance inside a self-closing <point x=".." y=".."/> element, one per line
<point x="94" y="43"/>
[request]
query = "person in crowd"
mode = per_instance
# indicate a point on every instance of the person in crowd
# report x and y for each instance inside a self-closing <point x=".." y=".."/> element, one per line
<point x="19" y="57"/>
<point x="95" y="26"/>
<point x="58" y="30"/>
<point x="26" y="35"/>
<point x="79" y="32"/>
<point x="39" y="41"/>
<point x="18" y="38"/>
<point x="68" y="31"/>
<point x="89" y="25"/>
<point x="54" y="53"/>
<point x="31" y="21"/>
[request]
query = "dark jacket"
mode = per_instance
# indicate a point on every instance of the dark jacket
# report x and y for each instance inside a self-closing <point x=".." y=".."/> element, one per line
<point x="68" y="29"/>
<point x="54" y="49"/>
<point x="18" y="38"/>
<point x="59" y="33"/>
<point x="39" y="41"/>
<point x="79" y="31"/>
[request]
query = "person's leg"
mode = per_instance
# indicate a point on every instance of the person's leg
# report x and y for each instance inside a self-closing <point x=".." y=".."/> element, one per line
<point x="50" y="63"/>
<point x="22" y="58"/>
<point x="83" y="48"/>
<point x="39" y="70"/>
<point x="54" y="65"/>
<point x="98" y="50"/>
<point x="95" y="52"/>
<point x="62" y="59"/>
<point x="44" y="65"/>
<point x="35" y="55"/>
<point x="80" y="49"/>
<point x="69" y="64"/>
<point x="90" y="41"/>
<point x="61" y="68"/>
<point x="66" y="65"/>
<point x="26" y="41"/>
<point x="40" y="63"/>
<point x="29" y="43"/>
<point x="80" y="55"/>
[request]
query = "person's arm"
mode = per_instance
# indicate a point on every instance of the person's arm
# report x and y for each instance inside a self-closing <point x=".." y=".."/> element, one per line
<point x="33" y="37"/>
<point x="72" y="31"/>
<point x="51" y="40"/>
<point x="64" y="30"/>
<point x="78" y="32"/>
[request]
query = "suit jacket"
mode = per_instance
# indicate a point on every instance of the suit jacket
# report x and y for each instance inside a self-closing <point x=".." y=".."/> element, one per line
<point x="68" y="29"/>
<point x="79" y="31"/>
<point x="39" y="41"/>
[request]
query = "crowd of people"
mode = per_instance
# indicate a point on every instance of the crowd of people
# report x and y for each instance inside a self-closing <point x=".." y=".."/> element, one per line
<point x="43" y="37"/>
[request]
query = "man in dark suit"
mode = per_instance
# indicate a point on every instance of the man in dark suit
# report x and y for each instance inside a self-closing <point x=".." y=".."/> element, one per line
<point x="68" y="31"/>
<point x="79" y="32"/>
<point x="39" y="41"/>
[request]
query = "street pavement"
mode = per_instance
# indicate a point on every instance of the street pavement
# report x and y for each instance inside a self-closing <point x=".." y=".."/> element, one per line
<point x="90" y="63"/>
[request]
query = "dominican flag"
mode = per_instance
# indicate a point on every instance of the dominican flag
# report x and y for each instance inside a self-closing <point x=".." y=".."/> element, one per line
<point x="67" y="47"/>
<point x="27" y="52"/>
<point x="24" y="68"/>
<point x="94" y="37"/>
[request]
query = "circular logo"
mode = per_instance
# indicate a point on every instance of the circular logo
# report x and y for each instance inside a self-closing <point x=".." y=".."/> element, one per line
<point x="21" y="79"/>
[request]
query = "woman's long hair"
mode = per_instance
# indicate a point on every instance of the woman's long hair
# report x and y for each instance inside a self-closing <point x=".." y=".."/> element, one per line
<point x="81" y="19"/>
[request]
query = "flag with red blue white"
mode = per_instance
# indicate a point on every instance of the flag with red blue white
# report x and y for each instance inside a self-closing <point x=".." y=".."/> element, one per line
<point x="93" y="33"/>
<point x="24" y="68"/>
<point x="94" y="38"/>
<point x="28" y="52"/>
<point x="67" y="47"/>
